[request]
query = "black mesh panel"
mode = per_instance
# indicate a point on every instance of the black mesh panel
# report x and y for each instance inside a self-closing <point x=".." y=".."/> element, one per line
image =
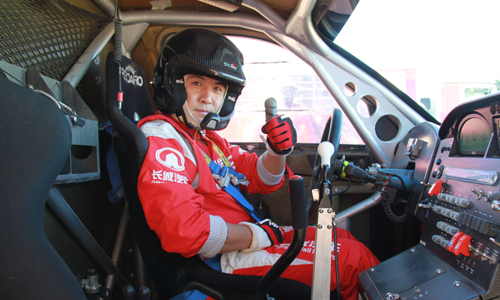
<point x="50" y="37"/>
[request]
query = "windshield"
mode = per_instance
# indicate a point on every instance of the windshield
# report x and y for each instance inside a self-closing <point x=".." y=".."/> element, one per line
<point x="274" y="72"/>
<point x="440" y="53"/>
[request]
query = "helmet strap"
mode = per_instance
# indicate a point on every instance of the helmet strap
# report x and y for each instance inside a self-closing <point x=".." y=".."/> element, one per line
<point x="186" y="121"/>
<point x="182" y="117"/>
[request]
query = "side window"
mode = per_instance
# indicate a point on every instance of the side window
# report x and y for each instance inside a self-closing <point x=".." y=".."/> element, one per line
<point x="272" y="71"/>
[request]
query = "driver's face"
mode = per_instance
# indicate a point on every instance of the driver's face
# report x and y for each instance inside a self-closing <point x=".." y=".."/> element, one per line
<point x="204" y="95"/>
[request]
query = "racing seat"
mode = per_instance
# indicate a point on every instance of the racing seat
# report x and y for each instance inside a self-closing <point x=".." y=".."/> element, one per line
<point x="35" y="141"/>
<point x="171" y="273"/>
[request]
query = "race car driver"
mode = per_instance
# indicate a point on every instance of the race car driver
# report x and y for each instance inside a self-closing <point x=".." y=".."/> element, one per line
<point x="187" y="181"/>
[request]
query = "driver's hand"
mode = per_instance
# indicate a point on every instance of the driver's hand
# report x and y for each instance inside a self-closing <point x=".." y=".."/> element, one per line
<point x="264" y="234"/>
<point x="281" y="135"/>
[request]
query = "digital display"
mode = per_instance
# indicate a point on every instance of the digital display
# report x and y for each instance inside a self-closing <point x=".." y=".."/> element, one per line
<point x="475" y="136"/>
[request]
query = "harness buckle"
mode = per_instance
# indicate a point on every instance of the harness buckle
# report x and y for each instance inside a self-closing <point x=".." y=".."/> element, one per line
<point x="238" y="179"/>
<point x="223" y="177"/>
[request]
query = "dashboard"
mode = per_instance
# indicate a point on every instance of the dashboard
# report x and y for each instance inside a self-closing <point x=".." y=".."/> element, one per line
<point x="456" y="196"/>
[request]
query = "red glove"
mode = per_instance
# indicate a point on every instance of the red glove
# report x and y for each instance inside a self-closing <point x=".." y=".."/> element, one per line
<point x="281" y="135"/>
<point x="264" y="234"/>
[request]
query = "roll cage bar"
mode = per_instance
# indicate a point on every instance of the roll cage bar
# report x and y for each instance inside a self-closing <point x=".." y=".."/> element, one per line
<point x="297" y="34"/>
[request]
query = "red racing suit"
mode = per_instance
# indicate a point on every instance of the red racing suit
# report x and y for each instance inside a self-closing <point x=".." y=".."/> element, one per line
<point x="354" y="257"/>
<point x="181" y="200"/>
<point x="183" y="203"/>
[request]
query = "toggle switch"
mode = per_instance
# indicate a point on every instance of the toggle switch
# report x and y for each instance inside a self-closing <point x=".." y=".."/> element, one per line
<point x="462" y="246"/>
<point x="434" y="189"/>
<point x="454" y="241"/>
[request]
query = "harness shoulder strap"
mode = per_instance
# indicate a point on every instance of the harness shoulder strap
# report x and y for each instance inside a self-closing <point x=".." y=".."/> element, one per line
<point x="221" y="175"/>
<point x="115" y="194"/>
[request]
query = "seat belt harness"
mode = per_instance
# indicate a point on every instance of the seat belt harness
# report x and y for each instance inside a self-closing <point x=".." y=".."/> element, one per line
<point x="225" y="175"/>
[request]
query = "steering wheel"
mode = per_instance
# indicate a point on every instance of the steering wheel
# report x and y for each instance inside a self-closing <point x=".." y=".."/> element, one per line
<point x="331" y="133"/>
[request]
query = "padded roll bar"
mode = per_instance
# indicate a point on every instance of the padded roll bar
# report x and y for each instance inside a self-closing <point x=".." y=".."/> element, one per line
<point x="299" y="223"/>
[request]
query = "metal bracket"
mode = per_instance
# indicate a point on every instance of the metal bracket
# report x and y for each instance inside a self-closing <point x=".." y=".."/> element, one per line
<point x="322" y="255"/>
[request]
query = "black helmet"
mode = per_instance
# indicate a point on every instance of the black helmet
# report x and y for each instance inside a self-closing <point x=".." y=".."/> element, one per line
<point x="201" y="52"/>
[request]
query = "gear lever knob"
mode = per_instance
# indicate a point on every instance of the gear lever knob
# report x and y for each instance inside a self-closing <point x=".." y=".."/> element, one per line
<point x="325" y="151"/>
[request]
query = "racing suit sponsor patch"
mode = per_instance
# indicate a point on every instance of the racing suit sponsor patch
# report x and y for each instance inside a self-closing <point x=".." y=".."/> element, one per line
<point x="170" y="158"/>
<point x="164" y="176"/>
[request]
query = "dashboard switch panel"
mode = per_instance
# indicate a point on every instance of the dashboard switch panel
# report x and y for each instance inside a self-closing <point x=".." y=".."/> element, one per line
<point x="459" y="206"/>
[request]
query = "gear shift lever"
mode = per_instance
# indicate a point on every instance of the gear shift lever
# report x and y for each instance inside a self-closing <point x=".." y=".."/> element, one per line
<point x="322" y="254"/>
<point x="325" y="151"/>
